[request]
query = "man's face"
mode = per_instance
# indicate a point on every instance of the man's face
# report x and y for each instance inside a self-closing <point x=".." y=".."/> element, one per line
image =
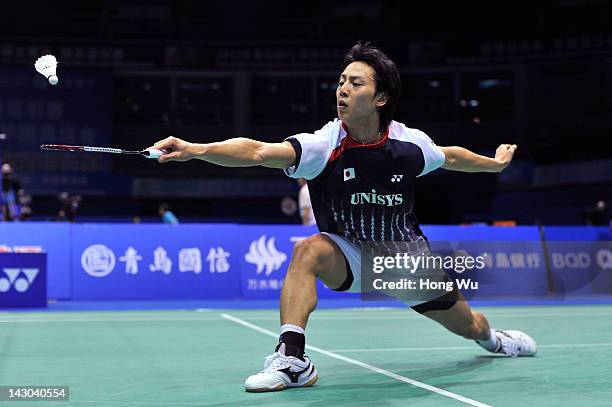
<point x="356" y="98"/>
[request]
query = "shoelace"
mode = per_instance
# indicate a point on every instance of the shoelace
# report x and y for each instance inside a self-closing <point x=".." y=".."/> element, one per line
<point x="275" y="362"/>
<point x="509" y="345"/>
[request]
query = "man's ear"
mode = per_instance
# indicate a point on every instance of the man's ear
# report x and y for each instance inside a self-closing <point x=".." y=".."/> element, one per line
<point x="382" y="99"/>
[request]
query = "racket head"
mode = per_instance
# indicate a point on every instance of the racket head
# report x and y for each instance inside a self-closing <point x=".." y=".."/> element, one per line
<point x="61" y="147"/>
<point x="149" y="153"/>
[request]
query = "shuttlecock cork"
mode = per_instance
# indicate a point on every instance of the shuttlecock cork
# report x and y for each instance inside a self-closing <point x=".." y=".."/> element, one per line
<point x="47" y="67"/>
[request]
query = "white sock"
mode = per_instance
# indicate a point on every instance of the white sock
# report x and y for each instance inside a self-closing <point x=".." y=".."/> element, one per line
<point x="490" y="344"/>
<point x="290" y="327"/>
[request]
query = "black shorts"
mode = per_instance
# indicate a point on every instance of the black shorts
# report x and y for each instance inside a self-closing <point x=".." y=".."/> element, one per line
<point x="441" y="303"/>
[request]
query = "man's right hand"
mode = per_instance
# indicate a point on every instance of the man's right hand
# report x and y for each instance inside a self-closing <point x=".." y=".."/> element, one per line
<point x="177" y="150"/>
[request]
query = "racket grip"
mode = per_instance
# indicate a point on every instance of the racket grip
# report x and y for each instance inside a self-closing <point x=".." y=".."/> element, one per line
<point x="155" y="153"/>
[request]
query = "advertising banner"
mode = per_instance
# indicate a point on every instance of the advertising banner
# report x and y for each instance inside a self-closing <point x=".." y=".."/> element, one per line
<point x="155" y="262"/>
<point x="23" y="280"/>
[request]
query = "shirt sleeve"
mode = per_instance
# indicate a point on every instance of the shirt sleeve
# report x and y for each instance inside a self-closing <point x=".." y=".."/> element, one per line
<point x="312" y="152"/>
<point x="432" y="154"/>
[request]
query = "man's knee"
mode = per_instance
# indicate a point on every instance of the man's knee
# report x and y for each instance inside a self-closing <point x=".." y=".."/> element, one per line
<point x="313" y="254"/>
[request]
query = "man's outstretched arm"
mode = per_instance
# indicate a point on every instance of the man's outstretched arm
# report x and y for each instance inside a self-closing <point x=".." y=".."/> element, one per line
<point x="236" y="152"/>
<point x="462" y="159"/>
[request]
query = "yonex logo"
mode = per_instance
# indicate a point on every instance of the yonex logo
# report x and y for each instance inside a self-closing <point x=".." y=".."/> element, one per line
<point x="263" y="253"/>
<point x="397" y="178"/>
<point x="21" y="283"/>
<point x="98" y="260"/>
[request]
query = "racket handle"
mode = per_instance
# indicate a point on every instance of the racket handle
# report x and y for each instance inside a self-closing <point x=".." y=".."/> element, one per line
<point x="154" y="153"/>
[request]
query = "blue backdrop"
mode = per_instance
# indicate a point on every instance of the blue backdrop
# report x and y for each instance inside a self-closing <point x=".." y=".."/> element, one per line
<point x="225" y="261"/>
<point x="580" y="260"/>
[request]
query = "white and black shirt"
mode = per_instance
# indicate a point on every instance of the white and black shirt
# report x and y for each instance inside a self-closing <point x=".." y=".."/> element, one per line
<point x="365" y="191"/>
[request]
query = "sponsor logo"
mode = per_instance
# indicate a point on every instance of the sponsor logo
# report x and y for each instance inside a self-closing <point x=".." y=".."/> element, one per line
<point x="13" y="279"/>
<point x="264" y="254"/>
<point x="582" y="260"/>
<point x="131" y="259"/>
<point x="217" y="260"/>
<point x="98" y="260"/>
<point x="397" y="178"/>
<point x="349" y="173"/>
<point x="161" y="261"/>
<point x="190" y="259"/>
<point x="604" y="259"/>
<point x="361" y="198"/>
<point x="20" y="249"/>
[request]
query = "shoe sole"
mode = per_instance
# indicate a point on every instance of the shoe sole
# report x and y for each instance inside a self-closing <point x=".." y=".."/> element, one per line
<point x="265" y="389"/>
<point x="311" y="382"/>
<point x="280" y="387"/>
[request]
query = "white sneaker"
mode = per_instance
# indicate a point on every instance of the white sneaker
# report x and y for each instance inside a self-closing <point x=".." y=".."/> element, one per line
<point x="516" y="343"/>
<point x="282" y="371"/>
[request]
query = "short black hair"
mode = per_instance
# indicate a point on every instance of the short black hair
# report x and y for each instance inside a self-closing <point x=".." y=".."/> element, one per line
<point x="386" y="75"/>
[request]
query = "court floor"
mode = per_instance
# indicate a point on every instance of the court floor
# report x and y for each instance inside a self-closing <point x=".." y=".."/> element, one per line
<point x="365" y="357"/>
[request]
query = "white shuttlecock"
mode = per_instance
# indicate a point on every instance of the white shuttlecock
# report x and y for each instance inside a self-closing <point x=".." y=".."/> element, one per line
<point x="47" y="67"/>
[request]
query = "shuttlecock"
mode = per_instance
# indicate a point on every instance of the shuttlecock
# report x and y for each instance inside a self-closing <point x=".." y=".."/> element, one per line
<point x="47" y="67"/>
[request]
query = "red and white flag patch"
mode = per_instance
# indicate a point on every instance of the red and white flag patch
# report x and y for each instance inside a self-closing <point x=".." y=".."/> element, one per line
<point x="349" y="173"/>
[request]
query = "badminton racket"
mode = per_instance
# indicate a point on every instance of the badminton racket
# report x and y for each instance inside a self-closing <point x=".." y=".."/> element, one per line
<point x="149" y="152"/>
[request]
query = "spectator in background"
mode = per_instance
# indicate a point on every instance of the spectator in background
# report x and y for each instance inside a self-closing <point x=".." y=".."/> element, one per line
<point x="69" y="206"/>
<point x="166" y="214"/>
<point x="597" y="215"/>
<point x="306" y="213"/>
<point x="10" y="194"/>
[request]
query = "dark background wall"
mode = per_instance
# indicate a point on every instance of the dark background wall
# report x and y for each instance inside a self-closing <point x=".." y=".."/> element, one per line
<point x="132" y="72"/>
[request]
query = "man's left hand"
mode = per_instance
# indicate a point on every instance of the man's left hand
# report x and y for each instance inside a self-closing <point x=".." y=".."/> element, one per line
<point x="504" y="154"/>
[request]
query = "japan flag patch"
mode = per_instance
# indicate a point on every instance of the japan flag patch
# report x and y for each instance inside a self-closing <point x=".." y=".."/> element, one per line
<point x="349" y="173"/>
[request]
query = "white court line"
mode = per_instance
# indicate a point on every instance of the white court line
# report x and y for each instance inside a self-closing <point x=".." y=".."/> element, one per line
<point x="318" y="317"/>
<point x="146" y="403"/>
<point x="446" y="348"/>
<point x="208" y="317"/>
<point x="108" y="320"/>
<point x="489" y="310"/>
<point x="364" y="365"/>
<point x="492" y="315"/>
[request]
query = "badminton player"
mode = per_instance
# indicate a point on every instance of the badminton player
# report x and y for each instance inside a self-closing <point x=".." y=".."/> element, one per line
<point x="363" y="151"/>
